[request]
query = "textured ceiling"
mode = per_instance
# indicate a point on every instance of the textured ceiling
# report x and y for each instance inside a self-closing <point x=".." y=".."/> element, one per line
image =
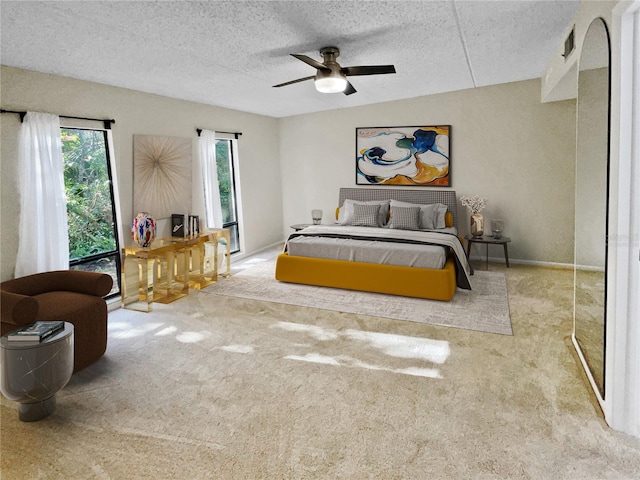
<point x="230" y="53"/>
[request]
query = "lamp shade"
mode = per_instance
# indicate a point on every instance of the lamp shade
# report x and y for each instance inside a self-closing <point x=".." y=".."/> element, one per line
<point x="331" y="84"/>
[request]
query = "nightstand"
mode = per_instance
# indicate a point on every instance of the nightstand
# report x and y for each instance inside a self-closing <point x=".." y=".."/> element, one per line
<point x="488" y="240"/>
<point x="300" y="226"/>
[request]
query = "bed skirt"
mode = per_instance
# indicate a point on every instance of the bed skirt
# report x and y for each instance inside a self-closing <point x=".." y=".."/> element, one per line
<point x="369" y="277"/>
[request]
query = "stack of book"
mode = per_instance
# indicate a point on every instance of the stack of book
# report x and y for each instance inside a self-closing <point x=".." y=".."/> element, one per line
<point x="35" y="332"/>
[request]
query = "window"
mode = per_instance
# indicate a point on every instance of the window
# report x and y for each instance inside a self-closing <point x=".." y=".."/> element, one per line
<point x="93" y="236"/>
<point x="227" y="184"/>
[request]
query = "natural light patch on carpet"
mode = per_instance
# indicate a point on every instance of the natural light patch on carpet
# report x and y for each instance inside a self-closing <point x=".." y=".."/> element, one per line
<point x="192" y="337"/>
<point x="314" y="358"/>
<point x="167" y="331"/>
<point x="346" y="361"/>
<point x="319" y="333"/>
<point x="401" y="346"/>
<point x="237" y="348"/>
<point x="129" y="330"/>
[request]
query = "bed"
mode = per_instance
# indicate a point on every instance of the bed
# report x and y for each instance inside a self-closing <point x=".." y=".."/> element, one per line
<point x="426" y="263"/>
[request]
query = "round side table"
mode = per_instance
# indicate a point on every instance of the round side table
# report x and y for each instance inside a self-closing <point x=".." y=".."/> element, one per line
<point x="300" y="226"/>
<point x="488" y="240"/>
<point x="32" y="374"/>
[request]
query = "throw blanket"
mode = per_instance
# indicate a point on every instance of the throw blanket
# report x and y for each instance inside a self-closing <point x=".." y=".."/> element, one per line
<point x="419" y="237"/>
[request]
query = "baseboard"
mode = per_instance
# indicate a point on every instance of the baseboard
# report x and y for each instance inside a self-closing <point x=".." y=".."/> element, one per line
<point x="518" y="261"/>
<point x="236" y="257"/>
<point x="114" y="303"/>
<point x="589" y="268"/>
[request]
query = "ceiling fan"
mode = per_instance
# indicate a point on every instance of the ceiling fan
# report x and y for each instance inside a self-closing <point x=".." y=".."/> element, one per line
<point x="331" y="77"/>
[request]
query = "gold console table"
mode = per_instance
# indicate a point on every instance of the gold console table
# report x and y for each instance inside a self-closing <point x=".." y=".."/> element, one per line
<point x="164" y="271"/>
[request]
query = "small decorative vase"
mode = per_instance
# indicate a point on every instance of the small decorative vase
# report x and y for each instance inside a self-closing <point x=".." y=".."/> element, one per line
<point x="497" y="226"/>
<point x="477" y="224"/>
<point x="143" y="229"/>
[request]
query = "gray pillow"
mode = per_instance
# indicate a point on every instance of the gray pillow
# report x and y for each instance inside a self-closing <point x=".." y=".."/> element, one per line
<point x="365" y="215"/>
<point x="345" y="216"/>
<point x="405" y="218"/>
<point x="432" y="215"/>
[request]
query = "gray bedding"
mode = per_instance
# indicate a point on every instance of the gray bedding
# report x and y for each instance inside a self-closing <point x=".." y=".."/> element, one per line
<point x="306" y="244"/>
<point x="369" y="251"/>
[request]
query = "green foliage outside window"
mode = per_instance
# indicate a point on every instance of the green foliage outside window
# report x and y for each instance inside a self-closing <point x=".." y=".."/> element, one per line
<point x="88" y="193"/>
<point x="225" y="181"/>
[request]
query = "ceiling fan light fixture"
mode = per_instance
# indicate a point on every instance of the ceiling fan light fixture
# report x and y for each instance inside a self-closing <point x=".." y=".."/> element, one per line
<point x="330" y="77"/>
<point x="331" y="84"/>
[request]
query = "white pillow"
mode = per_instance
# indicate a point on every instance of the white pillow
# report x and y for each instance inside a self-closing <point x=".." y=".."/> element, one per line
<point x="345" y="217"/>
<point x="439" y="216"/>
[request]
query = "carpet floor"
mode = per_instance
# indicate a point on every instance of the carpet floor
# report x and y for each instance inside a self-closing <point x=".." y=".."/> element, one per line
<point x="484" y="308"/>
<point x="221" y="387"/>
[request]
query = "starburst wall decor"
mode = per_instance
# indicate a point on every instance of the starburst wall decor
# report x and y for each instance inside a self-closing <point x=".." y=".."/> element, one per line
<point x="161" y="175"/>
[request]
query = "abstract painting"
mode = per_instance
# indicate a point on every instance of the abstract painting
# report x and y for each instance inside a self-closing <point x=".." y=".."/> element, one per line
<point x="412" y="156"/>
<point x="161" y="175"/>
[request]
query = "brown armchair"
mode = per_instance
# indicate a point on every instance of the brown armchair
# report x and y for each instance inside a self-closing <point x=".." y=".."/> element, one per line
<point x="71" y="295"/>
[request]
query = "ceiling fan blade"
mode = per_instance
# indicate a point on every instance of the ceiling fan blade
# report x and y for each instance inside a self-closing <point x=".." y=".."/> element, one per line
<point x="311" y="61"/>
<point x="349" y="90"/>
<point x="368" y="70"/>
<point x="295" y="81"/>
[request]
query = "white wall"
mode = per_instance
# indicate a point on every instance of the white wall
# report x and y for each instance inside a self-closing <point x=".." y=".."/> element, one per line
<point x="505" y="146"/>
<point x="140" y="113"/>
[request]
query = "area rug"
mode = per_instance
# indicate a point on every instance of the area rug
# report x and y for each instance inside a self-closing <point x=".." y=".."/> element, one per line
<point x="485" y="308"/>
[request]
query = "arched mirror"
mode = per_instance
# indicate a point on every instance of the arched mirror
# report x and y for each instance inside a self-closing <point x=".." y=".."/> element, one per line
<point x="592" y="201"/>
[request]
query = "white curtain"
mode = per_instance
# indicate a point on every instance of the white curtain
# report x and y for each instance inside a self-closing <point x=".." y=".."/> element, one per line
<point x="43" y="229"/>
<point x="209" y="179"/>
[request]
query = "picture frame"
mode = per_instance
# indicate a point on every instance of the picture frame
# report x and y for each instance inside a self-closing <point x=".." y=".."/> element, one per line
<point x="177" y="225"/>
<point x="404" y="156"/>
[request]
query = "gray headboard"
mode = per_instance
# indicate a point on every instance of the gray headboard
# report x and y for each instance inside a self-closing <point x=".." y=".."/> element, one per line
<point x="423" y="197"/>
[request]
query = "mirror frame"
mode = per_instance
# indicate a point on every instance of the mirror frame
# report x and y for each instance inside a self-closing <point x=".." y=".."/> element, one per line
<point x="598" y="389"/>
